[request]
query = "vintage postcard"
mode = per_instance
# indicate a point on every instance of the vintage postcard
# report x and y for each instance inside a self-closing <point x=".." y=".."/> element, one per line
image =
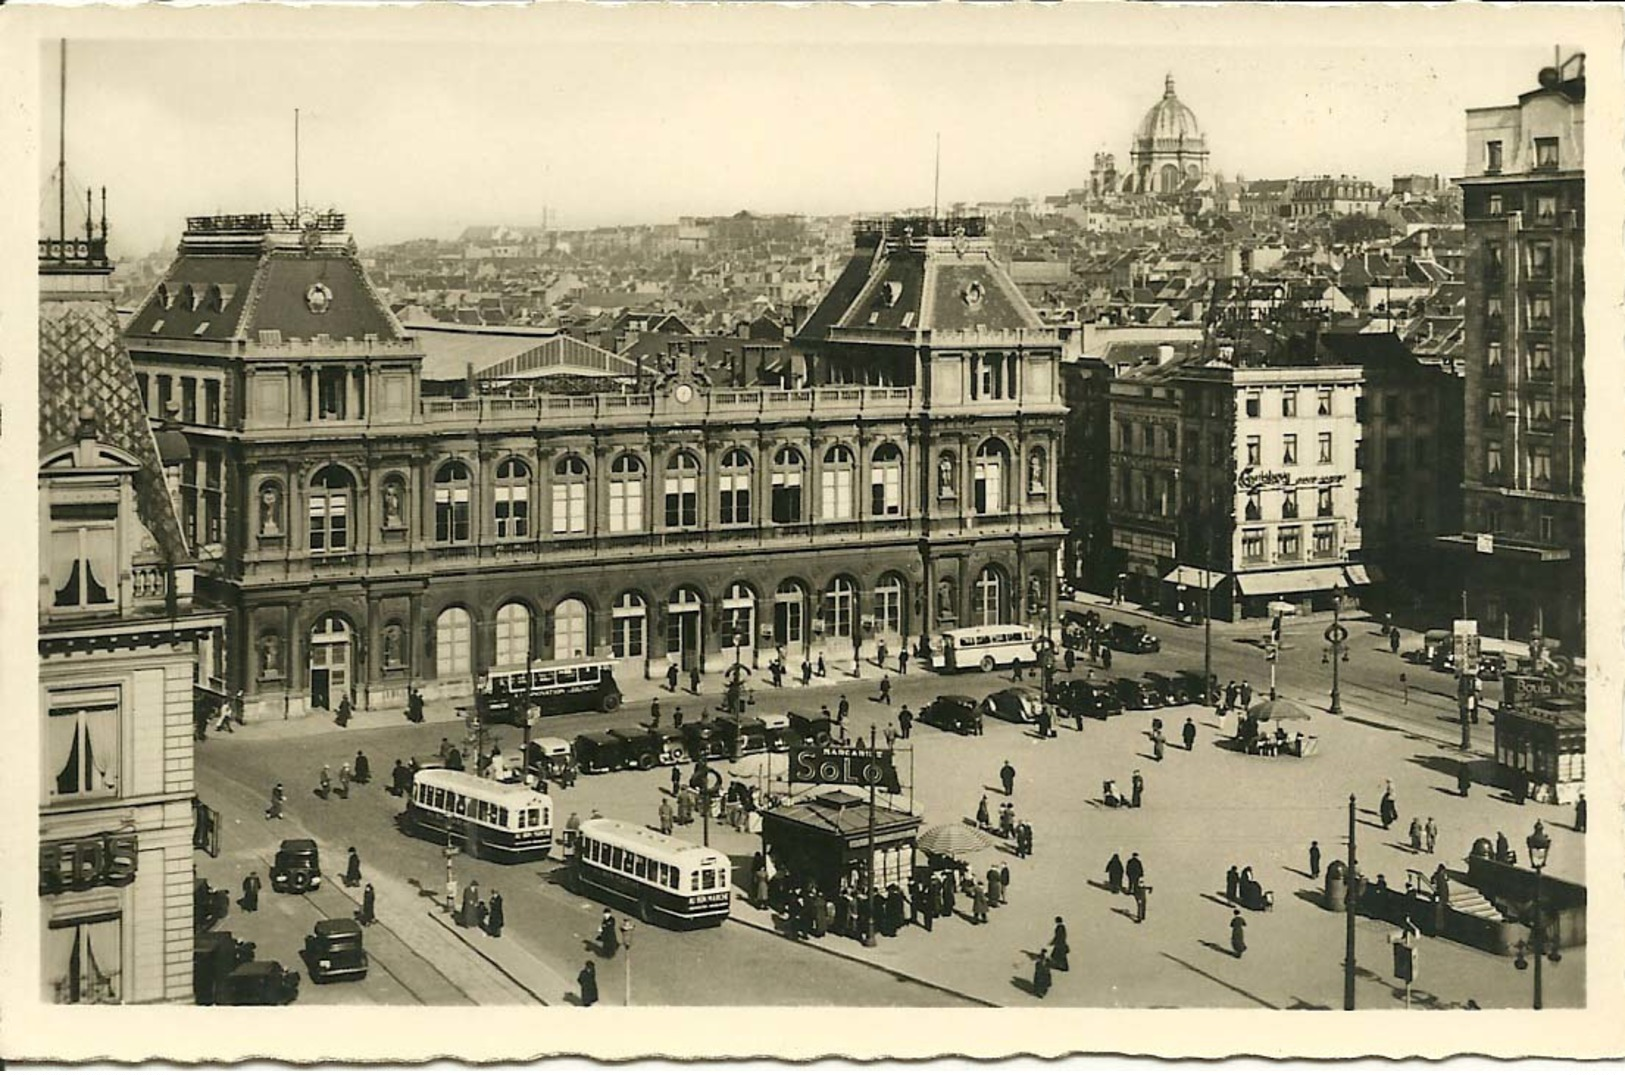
<point x="755" y="531"/>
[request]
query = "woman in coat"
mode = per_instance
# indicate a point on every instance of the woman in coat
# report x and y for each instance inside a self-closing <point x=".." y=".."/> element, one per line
<point x="608" y="941"/>
<point x="587" y="980"/>
<point x="1058" y="946"/>
<point x="1238" y="935"/>
<point x="1042" y="978"/>
<point x="494" y="919"/>
<point x="369" y="906"/>
<point x="1114" y="872"/>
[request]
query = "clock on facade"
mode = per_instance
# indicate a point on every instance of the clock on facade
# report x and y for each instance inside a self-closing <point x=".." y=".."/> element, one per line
<point x="683" y="393"/>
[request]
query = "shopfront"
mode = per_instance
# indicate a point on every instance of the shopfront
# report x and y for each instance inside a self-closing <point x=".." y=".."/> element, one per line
<point x="1542" y="744"/>
<point x="825" y="839"/>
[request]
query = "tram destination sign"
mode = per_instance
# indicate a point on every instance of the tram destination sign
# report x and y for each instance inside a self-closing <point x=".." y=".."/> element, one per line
<point x="850" y="766"/>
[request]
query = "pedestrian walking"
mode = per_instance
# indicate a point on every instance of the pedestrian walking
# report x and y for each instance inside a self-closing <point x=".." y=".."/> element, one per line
<point x="978" y="914"/>
<point x="880" y="654"/>
<point x="995" y="887"/>
<point x="587" y="983"/>
<point x="665" y="816"/>
<point x="1134" y="870"/>
<point x="278" y="797"/>
<point x="251" y="892"/>
<point x="676" y="780"/>
<point x="1041" y="974"/>
<point x="495" y="918"/>
<point x="225" y="721"/>
<point x="694" y="680"/>
<point x="1105" y="658"/>
<point x="1314" y="858"/>
<point x="806" y="672"/>
<point x="1231" y="694"/>
<point x="902" y="661"/>
<point x="363" y="768"/>
<point x="352" y="870"/>
<point x="1232" y="884"/>
<point x="1136" y="789"/>
<point x="1059" y="949"/>
<point x="1416" y="834"/>
<point x="1580" y="813"/>
<point x="1024" y="843"/>
<point x="1156" y="745"/>
<point x="1188" y="734"/>
<point x="843" y="709"/>
<point x="1245" y="694"/>
<point x="891" y="737"/>
<point x="1393" y="640"/>
<point x="1431" y="831"/>
<point x="671" y="677"/>
<point x="1007" y="777"/>
<point x="1017" y="671"/>
<point x="823" y="670"/>
<point x="983" y="820"/>
<point x="1004" y="877"/>
<point x="1238" y="934"/>
<point x="1069" y="659"/>
<point x="369" y="906"/>
<point x="1464" y="780"/>
<point x="1142" y="893"/>
<point x="1007" y="820"/>
<point x="344" y="781"/>
<point x="885" y="690"/>
<point x="1114" y="872"/>
<point x="905" y="722"/>
<point x="1388" y="812"/>
<point x="325" y="783"/>
<point x="609" y="941"/>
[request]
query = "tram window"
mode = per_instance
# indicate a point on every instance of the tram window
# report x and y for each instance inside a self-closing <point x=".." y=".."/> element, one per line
<point x="544" y="679"/>
<point x="547" y="817"/>
<point x="708" y="878"/>
<point x="694" y="881"/>
<point x="439" y="798"/>
<point x="589" y="675"/>
<point x="616" y="856"/>
<point x="502" y="816"/>
<point x="565" y="675"/>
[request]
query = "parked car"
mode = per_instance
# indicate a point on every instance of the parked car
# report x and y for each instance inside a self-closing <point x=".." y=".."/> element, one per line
<point x="1491" y="665"/>
<point x="550" y="758"/>
<point x="1174" y="690"/>
<point x="335" y="950"/>
<point x="297" y="867"/>
<point x="1019" y="704"/>
<point x="811" y="731"/>
<point x="600" y="752"/>
<point x="1087" y="618"/>
<point x="645" y="749"/>
<point x="776" y="728"/>
<point x="709" y="739"/>
<point x="1074" y="697"/>
<point x="1131" y="638"/>
<point x="215" y="954"/>
<point x="260" y="982"/>
<point x="1193" y="685"/>
<point x="1137" y="694"/>
<point x="951" y="713"/>
<point x="741" y="735"/>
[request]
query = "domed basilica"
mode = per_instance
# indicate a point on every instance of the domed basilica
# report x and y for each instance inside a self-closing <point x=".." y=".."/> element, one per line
<point x="1169" y="155"/>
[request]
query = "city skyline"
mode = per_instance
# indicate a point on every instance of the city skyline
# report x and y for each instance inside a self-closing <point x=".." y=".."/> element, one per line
<point x="384" y="103"/>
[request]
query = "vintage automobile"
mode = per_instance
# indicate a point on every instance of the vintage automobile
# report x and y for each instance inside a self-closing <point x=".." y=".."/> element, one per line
<point x="952" y="713"/>
<point x="1078" y="696"/>
<point x="741" y="735"/>
<point x="600" y="752"/>
<point x="209" y="905"/>
<point x="1173" y="689"/>
<point x="215" y="954"/>
<point x="776" y="728"/>
<point x="335" y="950"/>
<point x="811" y="730"/>
<point x="1192" y="682"/>
<point x="1019" y="704"/>
<point x="260" y="982"/>
<point x="1137" y="694"/>
<point x="1131" y="638"/>
<point x="297" y="867"/>
<point x="706" y="739"/>
<point x="550" y="758"/>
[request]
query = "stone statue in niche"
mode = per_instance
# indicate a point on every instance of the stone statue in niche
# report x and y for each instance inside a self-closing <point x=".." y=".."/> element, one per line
<point x="392" y="504"/>
<point x="945" y="600"/>
<point x="392" y="645"/>
<point x="945" y="476"/>
<point x="270" y="656"/>
<point x="270" y="510"/>
<point x="1035" y="595"/>
<point x="1035" y="472"/>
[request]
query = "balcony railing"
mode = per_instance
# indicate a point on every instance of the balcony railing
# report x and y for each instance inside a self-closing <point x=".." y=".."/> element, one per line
<point x="730" y="403"/>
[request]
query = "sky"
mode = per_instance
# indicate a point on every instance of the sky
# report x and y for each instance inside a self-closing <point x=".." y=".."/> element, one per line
<point x="417" y="138"/>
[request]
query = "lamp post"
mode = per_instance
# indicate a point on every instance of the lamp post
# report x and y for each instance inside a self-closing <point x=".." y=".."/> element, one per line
<point x="1337" y="636"/>
<point x="1539" y="845"/>
<point x="626" y="942"/>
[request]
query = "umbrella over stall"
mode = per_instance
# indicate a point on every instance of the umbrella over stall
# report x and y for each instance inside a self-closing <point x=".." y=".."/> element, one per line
<point x="953" y="840"/>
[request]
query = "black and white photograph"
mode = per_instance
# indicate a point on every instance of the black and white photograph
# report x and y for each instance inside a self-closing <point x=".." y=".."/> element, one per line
<point x="902" y="518"/>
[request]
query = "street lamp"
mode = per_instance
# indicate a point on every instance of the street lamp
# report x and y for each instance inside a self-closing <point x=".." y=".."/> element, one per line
<point x="626" y="942"/>
<point x="1337" y="636"/>
<point x="1539" y="845"/>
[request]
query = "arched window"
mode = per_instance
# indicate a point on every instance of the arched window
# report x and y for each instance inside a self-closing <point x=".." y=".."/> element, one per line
<point x="630" y="637"/>
<point x="626" y="495"/>
<point x="330" y="510"/>
<point x="735" y="487"/>
<point x="842" y="606"/>
<point x="835" y="492"/>
<point x="453" y="643"/>
<point x="451" y="484"/>
<point x="570" y="496"/>
<point x="570" y="629"/>
<point x="513" y="499"/>
<point x="1037" y="472"/>
<point x="739" y="617"/>
<point x="989" y="596"/>
<point x="682" y="491"/>
<point x="790" y="614"/>
<point x="513" y="634"/>
<point x="889" y="605"/>
<point x="788" y="466"/>
<point x="886" y="481"/>
<point x="992" y="462"/>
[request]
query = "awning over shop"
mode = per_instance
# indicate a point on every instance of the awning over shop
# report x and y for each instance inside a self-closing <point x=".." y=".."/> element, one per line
<point x="1185" y="575"/>
<point x="1359" y="574"/>
<point x="1298" y="580"/>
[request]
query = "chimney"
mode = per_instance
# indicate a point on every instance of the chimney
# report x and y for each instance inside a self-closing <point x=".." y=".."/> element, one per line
<point x="1165" y="353"/>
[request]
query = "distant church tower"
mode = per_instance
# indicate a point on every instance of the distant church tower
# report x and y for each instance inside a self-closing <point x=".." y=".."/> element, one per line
<point x="1170" y="154"/>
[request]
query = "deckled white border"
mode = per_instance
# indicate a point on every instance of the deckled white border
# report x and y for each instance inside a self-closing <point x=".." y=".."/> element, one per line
<point x="299" y="1033"/>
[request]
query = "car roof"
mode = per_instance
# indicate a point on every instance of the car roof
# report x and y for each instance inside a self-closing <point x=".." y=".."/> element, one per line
<point x="958" y="699"/>
<point x="298" y="844"/>
<point x="329" y="926"/>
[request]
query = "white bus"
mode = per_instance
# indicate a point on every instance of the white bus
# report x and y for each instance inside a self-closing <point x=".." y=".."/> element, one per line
<point x="997" y="645"/>
<point x="663" y="877"/>
<point x="506" y="822"/>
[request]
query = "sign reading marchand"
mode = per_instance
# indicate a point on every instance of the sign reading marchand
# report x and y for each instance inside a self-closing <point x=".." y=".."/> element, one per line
<point x="849" y="766"/>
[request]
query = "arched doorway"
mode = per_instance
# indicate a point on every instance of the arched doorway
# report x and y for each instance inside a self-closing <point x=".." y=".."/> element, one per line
<point x="889" y="624"/>
<point x="453" y="644"/>
<point x="331" y="654"/>
<point x="739" y="622"/>
<point x="570" y="630"/>
<point x="513" y="635"/>
<point x="989" y="596"/>
<point x="790" y="615"/>
<point x="684" y="625"/>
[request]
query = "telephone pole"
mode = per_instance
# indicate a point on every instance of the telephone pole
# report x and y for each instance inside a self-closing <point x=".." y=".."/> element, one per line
<point x="1348" y="907"/>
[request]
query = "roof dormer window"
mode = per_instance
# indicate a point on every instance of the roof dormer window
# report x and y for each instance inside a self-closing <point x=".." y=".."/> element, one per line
<point x="893" y="292"/>
<point x="165" y="298"/>
<point x="195" y="296"/>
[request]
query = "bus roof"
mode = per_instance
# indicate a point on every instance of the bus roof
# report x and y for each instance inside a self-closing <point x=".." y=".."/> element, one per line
<point x="961" y="632"/>
<point x="548" y="666"/>
<point x="628" y="834"/>
<point x="516" y="795"/>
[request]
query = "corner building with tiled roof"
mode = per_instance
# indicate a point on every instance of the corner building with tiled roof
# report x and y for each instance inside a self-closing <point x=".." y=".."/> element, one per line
<point x="367" y="537"/>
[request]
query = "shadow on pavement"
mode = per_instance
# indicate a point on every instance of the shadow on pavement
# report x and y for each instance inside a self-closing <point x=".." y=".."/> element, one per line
<point x="1199" y="972"/>
<point x="1312" y="896"/>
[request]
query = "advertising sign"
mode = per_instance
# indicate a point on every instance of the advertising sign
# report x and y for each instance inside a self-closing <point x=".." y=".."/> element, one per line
<point x="849" y="766"/>
<point x="1465" y="645"/>
<point x="88" y="862"/>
